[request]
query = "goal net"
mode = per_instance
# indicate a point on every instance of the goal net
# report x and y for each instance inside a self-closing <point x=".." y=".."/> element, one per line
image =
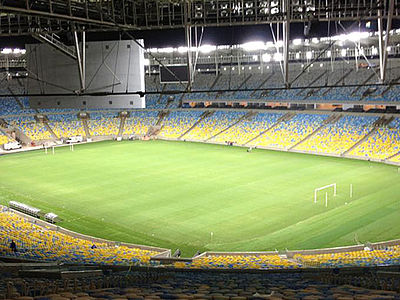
<point x="325" y="188"/>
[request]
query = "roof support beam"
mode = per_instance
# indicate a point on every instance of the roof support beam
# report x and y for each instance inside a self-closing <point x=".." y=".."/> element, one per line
<point x="53" y="40"/>
<point x="65" y="17"/>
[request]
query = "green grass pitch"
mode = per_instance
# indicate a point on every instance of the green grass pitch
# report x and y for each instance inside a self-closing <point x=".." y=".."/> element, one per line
<point x="174" y="194"/>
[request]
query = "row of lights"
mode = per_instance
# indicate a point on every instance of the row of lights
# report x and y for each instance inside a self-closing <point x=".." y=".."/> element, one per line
<point x="13" y="51"/>
<point x="260" y="45"/>
<point x="321" y="65"/>
<point x="268" y="57"/>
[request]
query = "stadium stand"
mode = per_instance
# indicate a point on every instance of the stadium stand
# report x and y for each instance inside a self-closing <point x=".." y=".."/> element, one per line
<point x="37" y="241"/>
<point x="364" y="258"/>
<point x="65" y="125"/>
<point x="382" y="144"/>
<point x="290" y="132"/>
<point x="178" y="284"/>
<point x="3" y="138"/>
<point x="248" y="129"/>
<point x="103" y="124"/>
<point x="396" y="159"/>
<point x="34" y="130"/>
<point x="139" y="122"/>
<point x="245" y="261"/>
<point x="318" y="76"/>
<point x="177" y="123"/>
<point x="46" y="244"/>
<point x="340" y="136"/>
<point x="214" y="124"/>
<point x="9" y="106"/>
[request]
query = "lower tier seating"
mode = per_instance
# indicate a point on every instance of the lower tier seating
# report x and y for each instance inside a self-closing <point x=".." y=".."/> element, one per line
<point x="248" y="129"/>
<point x="139" y="122"/>
<point x="67" y="129"/>
<point x="340" y="136"/>
<point x="288" y="133"/>
<point x="177" y="123"/>
<point x="42" y="243"/>
<point x="34" y="130"/>
<point x="3" y="138"/>
<point x="382" y="144"/>
<point x="214" y="124"/>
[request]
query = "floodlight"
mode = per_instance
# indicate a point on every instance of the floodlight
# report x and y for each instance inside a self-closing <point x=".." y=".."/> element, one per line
<point x="207" y="48"/>
<point x="315" y="40"/>
<point x="253" y="46"/>
<point x="6" y="51"/>
<point x="297" y="42"/>
<point x="278" y="56"/>
<point x="166" y="50"/>
<point x="266" y="57"/>
<point x="182" y="49"/>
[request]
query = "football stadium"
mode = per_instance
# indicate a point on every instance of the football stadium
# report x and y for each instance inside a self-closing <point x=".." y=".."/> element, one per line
<point x="199" y="149"/>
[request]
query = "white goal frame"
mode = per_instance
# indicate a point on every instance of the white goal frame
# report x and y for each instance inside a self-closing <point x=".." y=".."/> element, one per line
<point x="323" y="188"/>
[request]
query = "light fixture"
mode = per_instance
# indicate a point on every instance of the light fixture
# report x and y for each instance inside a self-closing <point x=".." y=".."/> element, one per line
<point x="297" y="42"/>
<point x="266" y="57"/>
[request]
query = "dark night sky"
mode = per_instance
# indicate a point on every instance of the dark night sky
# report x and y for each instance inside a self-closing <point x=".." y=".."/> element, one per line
<point x="213" y="36"/>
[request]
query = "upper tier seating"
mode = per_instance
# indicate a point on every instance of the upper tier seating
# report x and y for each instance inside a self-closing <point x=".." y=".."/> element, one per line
<point x="9" y="106"/>
<point x="290" y="132"/>
<point x="340" y="136"/>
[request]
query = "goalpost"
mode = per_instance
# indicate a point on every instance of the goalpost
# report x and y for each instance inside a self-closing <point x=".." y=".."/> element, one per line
<point x="47" y="148"/>
<point x="326" y="194"/>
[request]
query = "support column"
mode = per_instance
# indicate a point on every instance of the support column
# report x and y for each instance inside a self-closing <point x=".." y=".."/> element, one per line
<point x="387" y="38"/>
<point x="79" y="58"/>
<point x="383" y="44"/>
<point x="286" y="34"/>
<point x="188" y="38"/>
<point x="84" y="58"/>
